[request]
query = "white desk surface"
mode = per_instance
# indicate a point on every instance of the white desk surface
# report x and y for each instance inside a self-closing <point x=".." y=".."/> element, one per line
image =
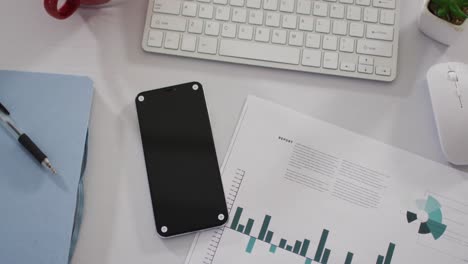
<point x="105" y="45"/>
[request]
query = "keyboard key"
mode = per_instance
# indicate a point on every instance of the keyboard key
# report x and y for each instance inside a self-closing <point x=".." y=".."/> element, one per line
<point x="208" y="45"/>
<point x="212" y="28"/>
<point x="312" y="58"/>
<point x="371" y="14"/>
<point x="387" y="17"/>
<point x="155" y="38"/>
<point x="320" y="9"/>
<point x="279" y="36"/>
<point x="306" y="23"/>
<point x="304" y="7"/>
<point x="356" y="30"/>
<point x="365" y="69"/>
<point x="206" y="11"/>
<point x="237" y="2"/>
<point x="354" y="13"/>
<point x="272" y="19"/>
<point x="287" y="6"/>
<point x="270" y="4"/>
<point x="189" y="43"/>
<point x="195" y="26"/>
<point x="168" y="22"/>
<point x="289" y="21"/>
<point x="363" y="2"/>
<point x="389" y="4"/>
<point x="379" y="32"/>
<point x="366" y="60"/>
<point x="172" y="40"/>
<point x="245" y="32"/>
<point x="347" y="1"/>
<point x="256" y="17"/>
<point x="259" y="51"/>
<point x="330" y="60"/>
<point x="313" y="40"/>
<point x="340" y="27"/>
<point x="323" y="26"/>
<point x="348" y="66"/>
<point x="330" y="42"/>
<point x="223" y="13"/>
<point x="229" y="30"/>
<point x="254" y="3"/>
<point x="376" y="48"/>
<point x="189" y="9"/>
<point x="347" y="45"/>
<point x="239" y="15"/>
<point x="262" y="34"/>
<point x="296" y="38"/>
<point x="221" y="2"/>
<point x="337" y="11"/>
<point x="382" y="70"/>
<point x="167" y="6"/>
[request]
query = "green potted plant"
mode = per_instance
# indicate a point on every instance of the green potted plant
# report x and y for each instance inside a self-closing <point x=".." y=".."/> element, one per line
<point x="444" y="20"/>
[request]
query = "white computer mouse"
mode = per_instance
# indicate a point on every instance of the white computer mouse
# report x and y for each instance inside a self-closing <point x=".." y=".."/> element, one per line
<point x="448" y="88"/>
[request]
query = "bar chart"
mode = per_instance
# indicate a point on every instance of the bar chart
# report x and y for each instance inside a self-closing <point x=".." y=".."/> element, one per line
<point x="298" y="247"/>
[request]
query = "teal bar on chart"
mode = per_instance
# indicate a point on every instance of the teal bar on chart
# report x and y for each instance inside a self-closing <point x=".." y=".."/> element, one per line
<point x="380" y="260"/>
<point x="235" y="220"/>
<point x="389" y="256"/>
<point x="326" y="255"/>
<point x="297" y="247"/>
<point x="349" y="258"/>
<point x="289" y="248"/>
<point x="272" y="248"/>
<point x="240" y="228"/>
<point x="321" y="245"/>
<point x="249" y="226"/>
<point x="250" y="245"/>
<point x="308" y="261"/>
<point x="263" y="230"/>
<point x="269" y="237"/>
<point x="305" y="247"/>
<point x="282" y="243"/>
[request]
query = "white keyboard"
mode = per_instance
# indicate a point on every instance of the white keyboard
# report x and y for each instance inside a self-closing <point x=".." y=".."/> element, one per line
<point x="352" y="38"/>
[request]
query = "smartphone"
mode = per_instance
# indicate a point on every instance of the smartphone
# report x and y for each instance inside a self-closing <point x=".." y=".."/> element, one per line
<point x="183" y="172"/>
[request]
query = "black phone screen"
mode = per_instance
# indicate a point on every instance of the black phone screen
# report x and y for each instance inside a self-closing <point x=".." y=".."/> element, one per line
<point x="181" y="163"/>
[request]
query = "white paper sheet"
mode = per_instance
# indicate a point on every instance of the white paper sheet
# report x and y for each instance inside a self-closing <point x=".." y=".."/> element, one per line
<point x="333" y="196"/>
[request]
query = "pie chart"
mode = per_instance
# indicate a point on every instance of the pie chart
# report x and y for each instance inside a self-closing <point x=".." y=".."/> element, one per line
<point x="433" y="225"/>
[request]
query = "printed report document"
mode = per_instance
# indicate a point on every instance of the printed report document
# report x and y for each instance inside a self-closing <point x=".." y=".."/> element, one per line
<point x="301" y="190"/>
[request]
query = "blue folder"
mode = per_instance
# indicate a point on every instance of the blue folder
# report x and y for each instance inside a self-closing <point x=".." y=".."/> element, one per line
<point x="37" y="209"/>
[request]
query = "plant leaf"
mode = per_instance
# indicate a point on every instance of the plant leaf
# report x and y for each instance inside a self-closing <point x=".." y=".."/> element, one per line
<point x="456" y="11"/>
<point x="463" y="3"/>
<point x="442" y="12"/>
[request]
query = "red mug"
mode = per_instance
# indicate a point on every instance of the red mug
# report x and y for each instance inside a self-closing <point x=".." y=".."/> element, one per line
<point x="69" y="7"/>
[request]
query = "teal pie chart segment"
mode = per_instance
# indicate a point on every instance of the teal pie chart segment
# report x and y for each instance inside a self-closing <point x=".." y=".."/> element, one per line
<point x="437" y="229"/>
<point x="431" y="205"/>
<point x="436" y="216"/>
<point x="411" y="217"/>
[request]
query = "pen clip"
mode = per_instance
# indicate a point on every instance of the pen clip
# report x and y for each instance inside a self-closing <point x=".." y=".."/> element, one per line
<point x="4" y="110"/>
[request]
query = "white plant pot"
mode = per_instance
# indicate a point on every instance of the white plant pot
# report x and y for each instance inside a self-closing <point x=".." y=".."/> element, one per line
<point x="437" y="28"/>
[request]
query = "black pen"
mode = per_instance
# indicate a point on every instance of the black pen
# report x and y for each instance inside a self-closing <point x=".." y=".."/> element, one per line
<point x="24" y="140"/>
